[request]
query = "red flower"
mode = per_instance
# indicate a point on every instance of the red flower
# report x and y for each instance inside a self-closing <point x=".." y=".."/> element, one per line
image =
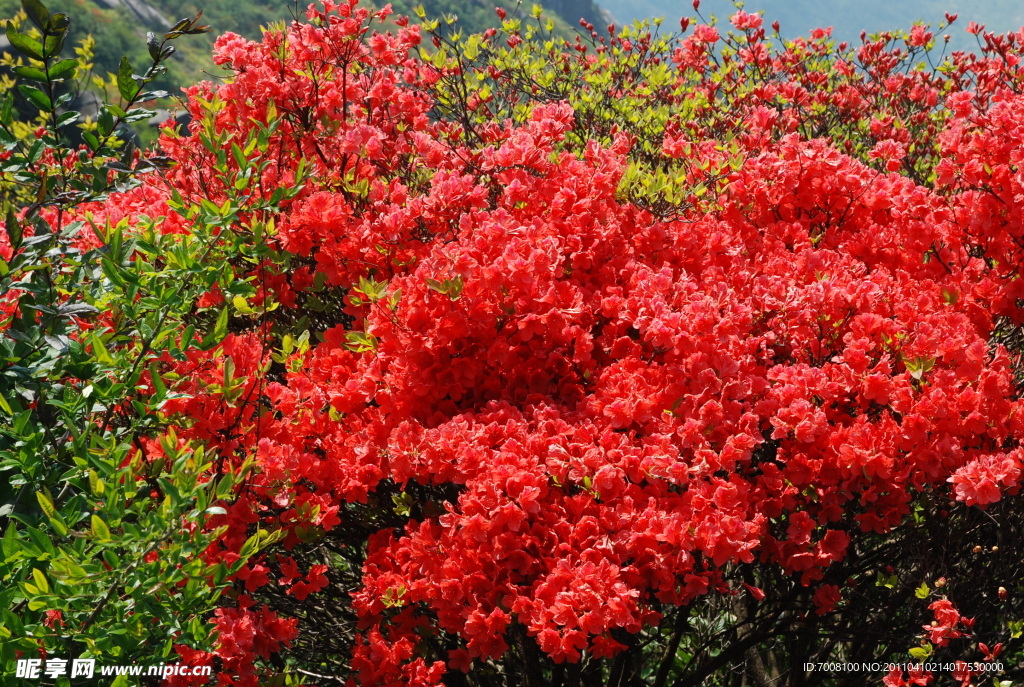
<point x="52" y="618"/>
<point x="825" y="598"/>
<point x="755" y="592"/>
<point x="315" y="581"/>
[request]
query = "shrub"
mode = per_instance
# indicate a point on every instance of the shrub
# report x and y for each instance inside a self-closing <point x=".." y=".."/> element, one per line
<point x="711" y="362"/>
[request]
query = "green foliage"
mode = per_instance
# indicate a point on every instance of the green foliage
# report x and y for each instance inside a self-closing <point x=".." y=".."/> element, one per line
<point x="100" y="540"/>
<point x="622" y="86"/>
<point x="476" y="16"/>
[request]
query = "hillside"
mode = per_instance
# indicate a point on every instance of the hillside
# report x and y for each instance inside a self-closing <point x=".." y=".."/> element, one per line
<point x="119" y="28"/>
<point x="848" y="17"/>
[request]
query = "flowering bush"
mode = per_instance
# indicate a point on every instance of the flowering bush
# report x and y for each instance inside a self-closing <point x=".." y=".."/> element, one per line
<point x="707" y="355"/>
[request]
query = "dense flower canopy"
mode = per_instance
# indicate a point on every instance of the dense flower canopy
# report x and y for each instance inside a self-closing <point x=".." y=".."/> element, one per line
<point x="551" y="413"/>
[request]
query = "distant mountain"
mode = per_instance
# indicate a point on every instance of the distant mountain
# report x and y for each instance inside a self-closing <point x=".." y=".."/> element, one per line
<point x="848" y="17"/>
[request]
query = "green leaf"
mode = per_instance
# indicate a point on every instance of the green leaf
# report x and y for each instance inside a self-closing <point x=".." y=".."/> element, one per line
<point x="99" y="350"/>
<point x="110" y="556"/>
<point x="239" y="156"/>
<point x="229" y="372"/>
<point x="10" y="542"/>
<point x="178" y="26"/>
<point x="59" y="23"/>
<point x="360" y="342"/>
<point x="21" y="422"/>
<point x="96" y="485"/>
<point x="30" y="73"/>
<point x="7" y="109"/>
<point x="65" y="69"/>
<point x="242" y="305"/>
<point x="68" y="118"/>
<point x="24" y="44"/>
<point x="36" y="97"/>
<point x="76" y="310"/>
<point x="40" y="579"/>
<point x="922" y="591"/>
<point x="105" y="120"/>
<point x="100" y="529"/>
<point x="257" y="542"/>
<point x="58" y="525"/>
<point x="126" y="85"/>
<point x="450" y="287"/>
<point x="63" y="568"/>
<point x="918" y="366"/>
<point x="46" y="503"/>
<point x="53" y="44"/>
<point x="159" y="390"/>
<point x="37" y="13"/>
<point x="194" y="27"/>
<point x="187" y="336"/>
<point x="90" y="138"/>
<point x="217" y="334"/>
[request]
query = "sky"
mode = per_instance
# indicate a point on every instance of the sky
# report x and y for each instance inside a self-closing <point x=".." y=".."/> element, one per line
<point x="848" y="17"/>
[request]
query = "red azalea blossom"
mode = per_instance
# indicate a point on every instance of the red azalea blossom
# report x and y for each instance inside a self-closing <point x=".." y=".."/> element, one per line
<point x="54" y="618"/>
